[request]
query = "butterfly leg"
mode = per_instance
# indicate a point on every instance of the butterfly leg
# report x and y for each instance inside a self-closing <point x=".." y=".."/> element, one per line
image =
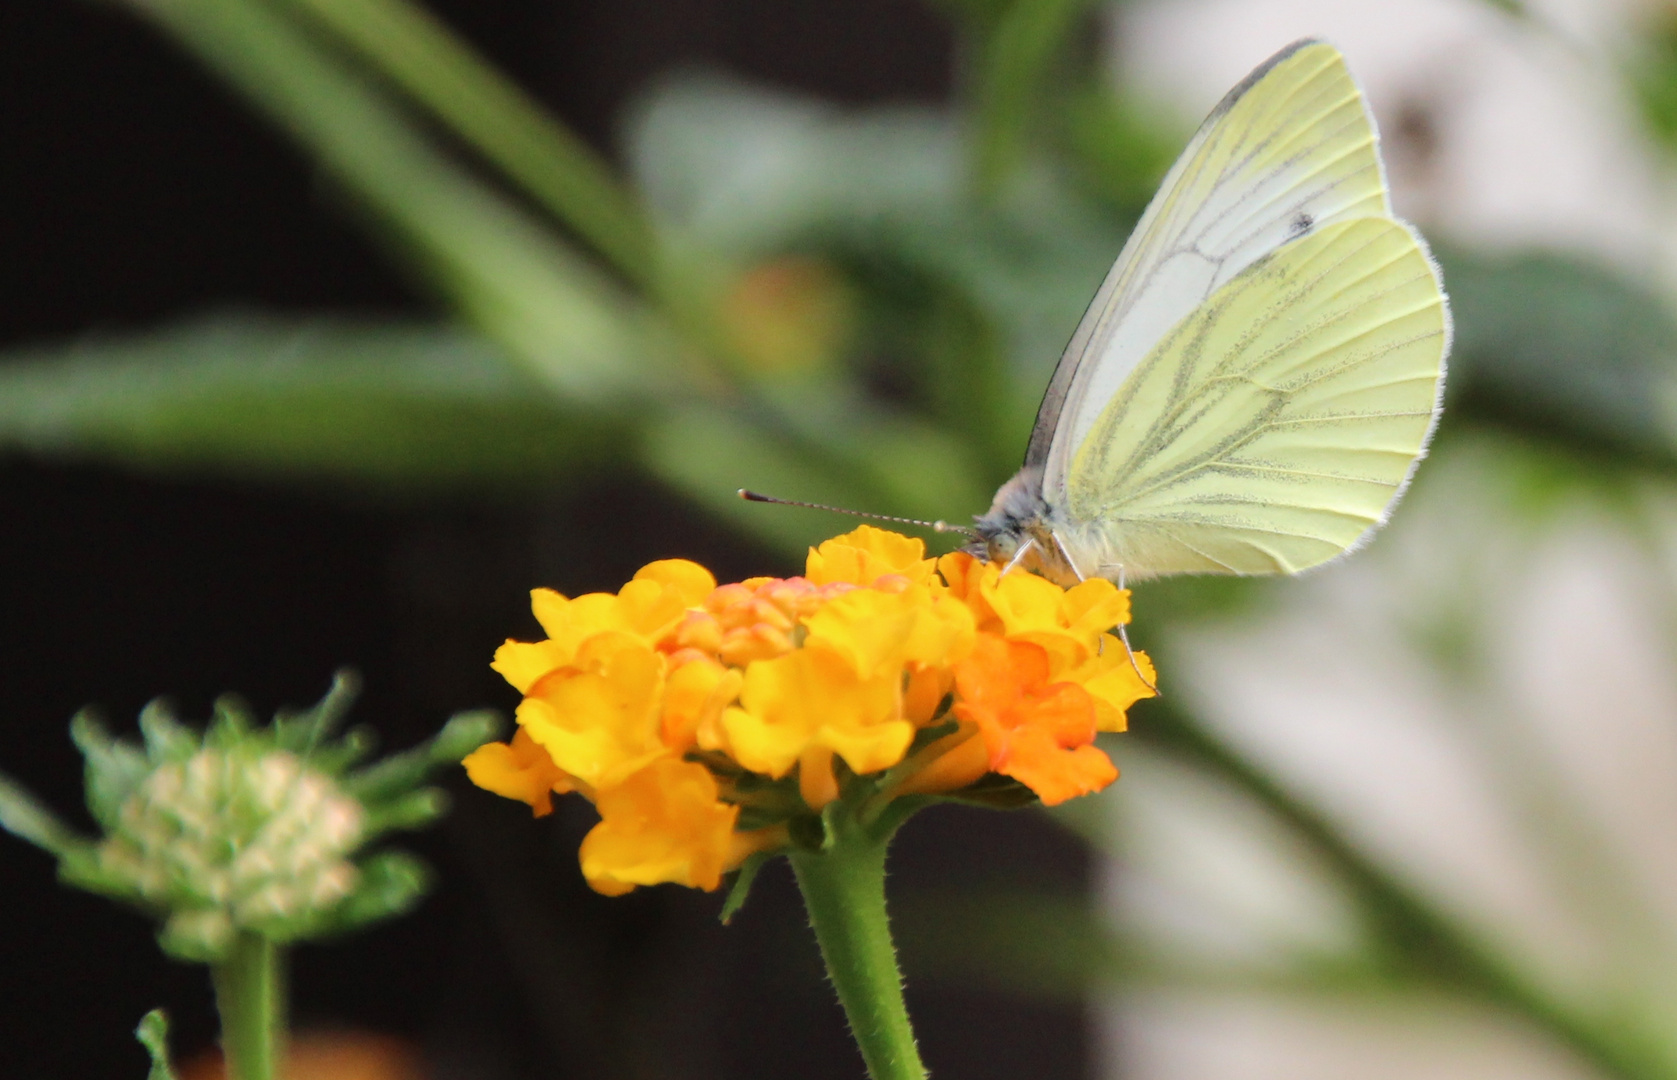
<point x="1124" y="636"/>
<point x="1066" y="555"/>
<point x="1019" y="556"/>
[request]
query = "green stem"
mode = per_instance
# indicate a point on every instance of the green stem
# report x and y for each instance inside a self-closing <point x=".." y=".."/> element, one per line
<point x="844" y="892"/>
<point x="249" y="995"/>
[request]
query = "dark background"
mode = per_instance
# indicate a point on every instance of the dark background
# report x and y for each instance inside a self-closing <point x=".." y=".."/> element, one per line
<point x="137" y="191"/>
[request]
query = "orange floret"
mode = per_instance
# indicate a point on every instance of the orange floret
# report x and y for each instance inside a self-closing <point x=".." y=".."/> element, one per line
<point x="1036" y="731"/>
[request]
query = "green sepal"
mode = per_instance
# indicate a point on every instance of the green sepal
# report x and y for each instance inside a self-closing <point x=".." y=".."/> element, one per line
<point x="930" y="734"/>
<point x="231" y="723"/>
<point x="741" y="888"/>
<point x="26" y="818"/>
<point x="302" y="732"/>
<point x="114" y="769"/>
<point x="411" y="810"/>
<point x="464" y="733"/>
<point x="759" y="817"/>
<point x="153" y="1034"/>
<point x="166" y="738"/>
<point x="720" y="764"/>
<point x="885" y="822"/>
<point x="397" y="773"/>
<point x="391" y="883"/>
<point x="336" y="757"/>
<point x="994" y="791"/>
<point x="836" y="814"/>
<point x="763" y="801"/>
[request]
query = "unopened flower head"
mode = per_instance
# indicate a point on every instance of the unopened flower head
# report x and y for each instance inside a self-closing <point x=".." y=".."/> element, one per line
<point x="244" y="829"/>
<point x="240" y="838"/>
<point x="708" y="723"/>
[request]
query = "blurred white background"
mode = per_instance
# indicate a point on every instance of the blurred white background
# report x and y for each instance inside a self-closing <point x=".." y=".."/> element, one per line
<point x="1485" y="699"/>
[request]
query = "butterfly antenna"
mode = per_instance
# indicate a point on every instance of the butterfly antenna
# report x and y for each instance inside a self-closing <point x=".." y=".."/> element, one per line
<point x="935" y="526"/>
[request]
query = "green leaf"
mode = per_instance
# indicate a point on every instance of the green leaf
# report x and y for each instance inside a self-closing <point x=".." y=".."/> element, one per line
<point x="403" y="406"/>
<point x="553" y="312"/>
<point x="440" y="71"/>
<point x="740" y="890"/>
<point x="153" y="1034"/>
<point x="754" y="173"/>
<point x="1120" y="148"/>
<point x="391" y="883"/>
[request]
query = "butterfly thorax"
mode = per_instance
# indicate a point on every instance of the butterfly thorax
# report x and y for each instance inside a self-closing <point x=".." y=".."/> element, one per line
<point x="1020" y="519"/>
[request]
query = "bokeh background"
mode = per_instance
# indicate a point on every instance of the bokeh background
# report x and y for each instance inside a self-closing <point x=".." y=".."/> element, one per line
<point x="330" y="327"/>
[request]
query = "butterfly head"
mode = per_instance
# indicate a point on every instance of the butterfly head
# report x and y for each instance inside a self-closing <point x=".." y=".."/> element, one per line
<point x="1016" y="529"/>
<point x="1018" y="507"/>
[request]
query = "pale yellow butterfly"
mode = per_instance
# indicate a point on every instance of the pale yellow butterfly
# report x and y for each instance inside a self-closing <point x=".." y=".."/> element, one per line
<point x="1254" y="383"/>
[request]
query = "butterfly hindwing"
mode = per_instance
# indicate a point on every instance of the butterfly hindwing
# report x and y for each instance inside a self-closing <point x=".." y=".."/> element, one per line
<point x="1271" y="428"/>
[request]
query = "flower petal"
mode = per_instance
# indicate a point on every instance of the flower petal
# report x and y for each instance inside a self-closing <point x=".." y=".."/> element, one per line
<point x="521" y="770"/>
<point x="866" y="554"/>
<point x="599" y="719"/>
<point x="813" y="696"/>
<point x="662" y="823"/>
<point x="688" y="581"/>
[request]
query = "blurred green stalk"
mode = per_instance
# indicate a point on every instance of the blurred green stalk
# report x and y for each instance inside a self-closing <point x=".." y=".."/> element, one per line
<point x="1422" y="941"/>
<point x="250" y="996"/>
<point x="408" y="45"/>
<point x="1012" y="53"/>
<point x="522" y="289"/>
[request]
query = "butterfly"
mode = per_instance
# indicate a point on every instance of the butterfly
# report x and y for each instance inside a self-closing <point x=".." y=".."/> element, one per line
<point x="1257" y="378"/>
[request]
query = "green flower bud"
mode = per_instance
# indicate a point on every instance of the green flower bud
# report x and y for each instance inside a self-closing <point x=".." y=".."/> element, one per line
<point x="247" y="829"/>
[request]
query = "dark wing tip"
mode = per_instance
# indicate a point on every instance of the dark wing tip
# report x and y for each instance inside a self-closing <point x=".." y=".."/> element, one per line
<point x="1257" y="74"/>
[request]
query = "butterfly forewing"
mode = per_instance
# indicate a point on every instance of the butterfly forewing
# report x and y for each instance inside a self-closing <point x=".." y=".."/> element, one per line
<point x="1289" y="151"/>
<point x="1272" y="427"/>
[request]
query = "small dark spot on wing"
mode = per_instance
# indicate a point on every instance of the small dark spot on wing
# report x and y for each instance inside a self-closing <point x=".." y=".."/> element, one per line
<point x="1302" y="223"/>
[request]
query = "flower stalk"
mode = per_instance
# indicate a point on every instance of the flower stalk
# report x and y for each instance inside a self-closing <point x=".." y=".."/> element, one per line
<point x="250" y="996"/>
<point x="843" y="888"/>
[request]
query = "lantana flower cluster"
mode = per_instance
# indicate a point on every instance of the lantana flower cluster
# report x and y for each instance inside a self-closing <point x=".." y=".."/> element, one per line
<point x="708" y="723"/>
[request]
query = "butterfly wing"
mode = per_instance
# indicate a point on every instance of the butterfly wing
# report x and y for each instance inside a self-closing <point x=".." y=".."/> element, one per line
<point x="1271" y="428"/>
<point x="1289" y="150"/>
